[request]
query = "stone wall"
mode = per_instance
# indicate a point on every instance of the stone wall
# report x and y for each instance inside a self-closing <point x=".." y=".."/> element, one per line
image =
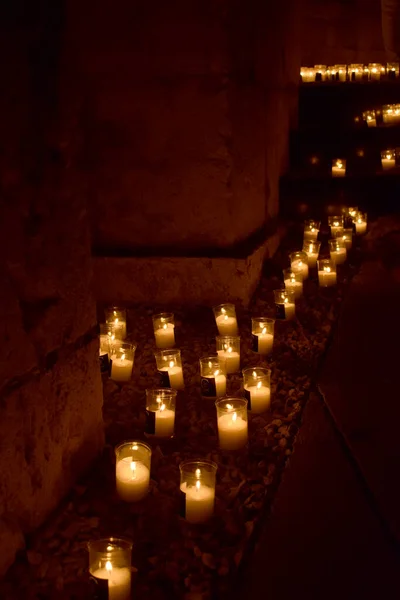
<point x="50" y="388"/>
<point x="342" y="31"/>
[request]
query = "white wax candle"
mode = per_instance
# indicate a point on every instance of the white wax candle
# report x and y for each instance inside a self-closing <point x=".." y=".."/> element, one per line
<point x="265" y="342"/>
<point x="232" y="431"/>
<point x="260" y="398"/>
<point x="388" y="163"/>
<point x="133" y="479"/>
<point x="299" y="266"/>
<point x="199" y="501"/>
<point x="338" y="171"/>
<point x="121" y="368"/>
<point x="294" y="286"/>
<point x="327" y="278"/>
<point x="165" y="336"/>
<point x="348" y="241"/>
<point x="371" y="121"/>
<point x="290" y="310"/>
<point x="339" y="256"/>
<point x="175" y="375"/>
<point x="119" y="581"/>
<point x="165" y="421"/>
<point x="361" y="226"/>
<point x="311" y="235"/>
<point x="227" y="325"/>
<point x="229" y="360"/>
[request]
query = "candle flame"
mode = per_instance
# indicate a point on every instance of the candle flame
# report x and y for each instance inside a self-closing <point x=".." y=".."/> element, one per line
<point x="223" y="310"/>
<point x="310" y="248"/>
<point x="158" y="400"/>
<point x="108" y="566"/>
<point x="388" y="156"/>
<point x="133" y="465"/>
<point x="336" y="224"/>
<point x="230" y="349"/>
<point x="216" y="373"/>
<point x="264" y="330"/>
<point x="225" y="317"/>
<point x="339" y="164"/>
<point x="134" y="447"/>
<point x="286" y="300"/>
<point x="198" y="473"/>
<point x="210" y="364"/>
<point x="313" y="229"/>
<point x="165" y="326"/>
<point x="116" y="320"/>
<point x="374" y="70"/>
<point x="359" y="220"/>
<point x="234" y="416"/>
<point x="229" y="406"/>
<point x="198" y="484"/>
<point x="123" y="357"/>
<point x="254" y="374"/>
<point x="115" y="313"/>
<point x="162" y="407"/>
<point x="171" y="364"/>
<point x="259" y="384"/>
<point x="327" y="269"/>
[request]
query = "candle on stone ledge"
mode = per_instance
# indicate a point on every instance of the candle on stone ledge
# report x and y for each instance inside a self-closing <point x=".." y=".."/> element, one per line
<point x="312" y="250"/>
<point x="225" y="318"/>
<point x="336" y="225"/>
<point x="360" y="221"/>
<point x="257" y="389"/>
<point x="341" y="72"/>
<point x="369" y="116"/>
<point x="338" y="250"/>
<point x="355" y="72"/>
<point x="110" y="568"/>
<point x="299" y="263"/>
<point x="117" y="317"/>
<point x="232" y="423"/>
<point x="262" y="330"/>
<point x="338" y="167"/>
<point x="212" y="377"/>
<point x="164" y="330"/>
<point x="293" y="282"/>
<point x="122" y="359"/>
<point x="388" y="158"/>
<point x="284" y="305"/>
<point x="327" y="272"/>
<point x="197" y="487"/>
<point x="311" y="230"/>
<point x="160" y="412"/>
<point x="132" y="472"/>
<point x="169" y="366"/>
<point x="228" y="350"/>
<point x="348" y="237"/>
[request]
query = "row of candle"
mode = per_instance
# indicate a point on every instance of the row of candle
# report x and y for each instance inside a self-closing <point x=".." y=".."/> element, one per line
<point x="388" y="161"/>
<point x="352" y="72"/>
<point x="388" y="114"/>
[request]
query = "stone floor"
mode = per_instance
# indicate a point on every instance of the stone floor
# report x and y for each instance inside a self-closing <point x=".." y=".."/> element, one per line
<point x="170" y="558"/>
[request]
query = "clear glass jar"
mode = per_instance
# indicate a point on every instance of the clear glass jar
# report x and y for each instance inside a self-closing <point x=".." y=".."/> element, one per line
<point x="110" y="568"/>
<point x="327" y="276"/>
<point x="232" y="423"/>
<point x="225" y="318"/>
<point x="299" y="263"/>
<point x="311" y="230"/>
<point x="284" y="304"/>
<point x="132" y="470"/>
<point x="341" y="72"/>
<point x="375" y="71"/>
<point x="164" y="330"/>
<point x="312" y="250"/>
<point x="336" y="225"/>
<point x="212" y="377"/>
<point x="160" y="412"/>
<point x="257" y="389"/>
<point x="122" y="359"/>
<point x="388" y="159"/>
<point x="338" y="250"/>
<point x="169" y="366"/>
<point x="262" y="330"/>
<point x="320" y="72"/>
<point x="360" y="221"/>
<point x="338" y="167"/>
<point x="106" y="339"/>
<point x="355" y="71"/>
<point x="348" y="237"/>
<point x="197" y="490"/>
<point x="293" y="281"/>
<point x="369" y="116"/>
<point x="117" y="317"/>
<point x="228" y="350"/>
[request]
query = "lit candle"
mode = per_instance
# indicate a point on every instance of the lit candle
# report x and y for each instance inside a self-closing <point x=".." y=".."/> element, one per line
<point x="160" y="412"/>
<point x="293" y="282"/>
<point x="119" y="581"/>
<point x="348" y="238"/>
<point x="164" y="330"/>
<point x="110" y="568"/>
<point x="375" y="70"/>
<point x="307" y="74"/>
<point x="169" y="366"/>
<point x="326" y="273"/>
<point x="175" y="375"/>
<point x="299" y="263"/>
<point x="369" y="117"/>
<point x="133" y="479"/>
<point x="122" y="362"/>
<point x="356" y="72"/>
<point x="311" y="230"/>
<point x="336" y="225"/>
<point x="225" y="318"/>
<point x="117" y="317"/>
<point x="257" y="389"/>
<point x="198" y="489"/>
<point x="312" y="251"/>
<point x="212" y="379"/>
<point x="232" y="423"/>
<point x="361" y="224"/>
<point x="262" y="330"/>
<point x="338" y="168"/>
<point x="284" y="304"/>
<point x="392" y="70"/>
<point x="391" y="114"/>
<point x="388" y="159"/>
<point x="228" y="350"/>
<point x="338" y="251"/>
<point x="341" y="72"/>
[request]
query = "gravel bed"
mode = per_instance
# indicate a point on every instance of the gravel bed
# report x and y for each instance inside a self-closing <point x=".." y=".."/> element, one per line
<point x="172" y="559"/>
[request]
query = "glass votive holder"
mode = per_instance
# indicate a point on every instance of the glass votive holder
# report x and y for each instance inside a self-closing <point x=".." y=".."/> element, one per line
<point x="341" y="72"/>
<point x="110" y="568"/>
<point x="212" y="377"/>
<point x="122" y="358"/>
<point x="225" y="318"/>
<point x="160" y="412"/>
<point x="331" y="73"/>
<point x="284" y="304"/>
<point x="169" y="367"/>
<point x="338" y="250"/>
<point x="257" y="389"/>
<point x="299" y="263"/>
<point x="164" y="330"/>
<point x="327" y="272"/>
<point x="391" y="114"/>
<point x="117" y="317"/>
<point x="349" y="212"/>
<point x="232" y="423"/>
<point x="348" y="237"/>
<point x="360" y="221"/>
<point x="388" y="159"/>
<point x="355" y="71"/>
<point x="369" y="116"/>
<point x="197" y="490"/>
<point x="262" y="331"/>
<point x="307" y="74"/>
<point x="106" y="340"/>
<point x="338" y="167"/>
<point x="336" y="225"/>
<point x="320" y="72"/>
<point x="392" y="70"/>
<point x="293" y="281"/>
<point x="312" y="250"/>
<point x="311" y="230"/>
<point x="228" y="350"/>
<point x="375" y="71"/>
<point x="132" y="470"/>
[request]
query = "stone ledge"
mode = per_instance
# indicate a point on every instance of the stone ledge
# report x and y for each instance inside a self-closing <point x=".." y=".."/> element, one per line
<point x="194" y="280"/>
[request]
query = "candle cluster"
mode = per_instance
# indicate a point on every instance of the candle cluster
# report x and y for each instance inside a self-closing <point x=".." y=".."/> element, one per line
<point x="387" y="114"/>
<point x="351" y="72"/>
